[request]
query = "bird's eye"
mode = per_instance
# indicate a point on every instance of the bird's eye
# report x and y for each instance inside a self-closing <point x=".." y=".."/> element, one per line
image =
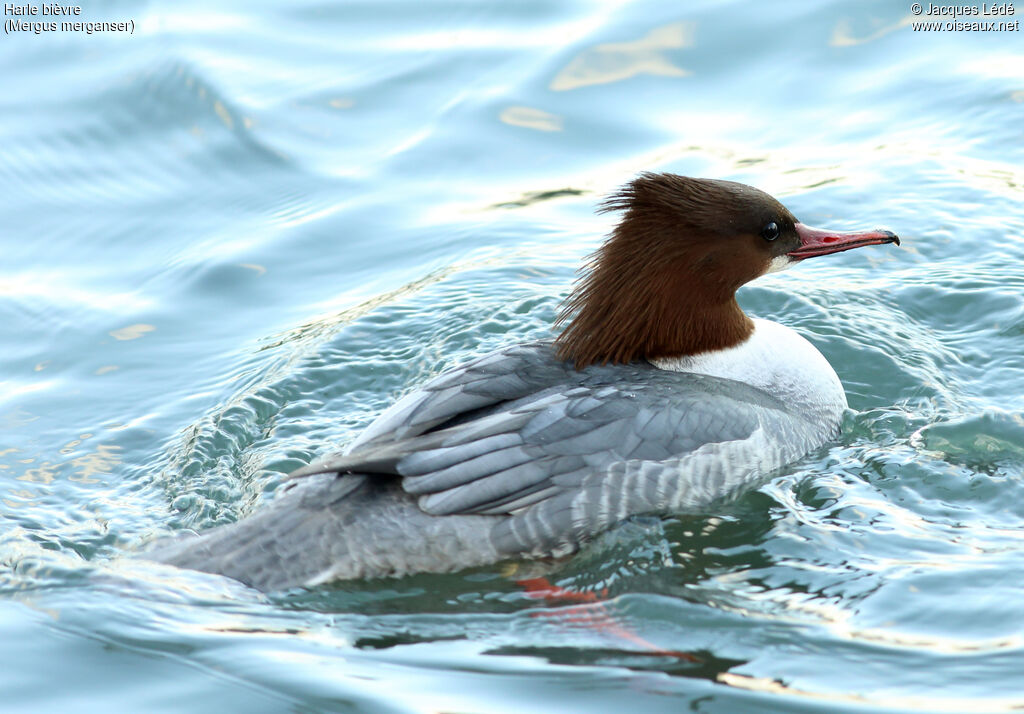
<point x="770" y="232"/>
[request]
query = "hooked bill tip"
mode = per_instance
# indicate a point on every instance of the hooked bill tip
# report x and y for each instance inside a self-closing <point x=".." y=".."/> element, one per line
<point x="890" y="234"/>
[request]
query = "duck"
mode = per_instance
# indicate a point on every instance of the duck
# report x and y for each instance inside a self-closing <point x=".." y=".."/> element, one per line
<point x="659" y="396"/>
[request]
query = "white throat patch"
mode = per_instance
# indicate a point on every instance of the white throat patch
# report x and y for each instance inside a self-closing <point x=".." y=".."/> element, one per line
<point x="779" y="262"/>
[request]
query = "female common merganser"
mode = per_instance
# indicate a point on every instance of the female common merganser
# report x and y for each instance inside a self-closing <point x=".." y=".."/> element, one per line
<point x="659" y="397"/>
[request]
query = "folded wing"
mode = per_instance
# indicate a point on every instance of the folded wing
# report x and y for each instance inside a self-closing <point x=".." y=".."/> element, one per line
<point x="520" y="434"/>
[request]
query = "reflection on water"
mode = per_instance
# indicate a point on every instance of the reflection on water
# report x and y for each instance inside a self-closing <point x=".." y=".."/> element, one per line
<point x="616" y="61"/>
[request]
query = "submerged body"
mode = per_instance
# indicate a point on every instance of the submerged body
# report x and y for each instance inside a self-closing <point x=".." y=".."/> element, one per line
<point x="532" y="450"/>
<point x="544" y="458"/>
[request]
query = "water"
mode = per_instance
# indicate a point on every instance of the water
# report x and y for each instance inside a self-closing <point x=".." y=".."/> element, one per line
<point x="233" y="237"/>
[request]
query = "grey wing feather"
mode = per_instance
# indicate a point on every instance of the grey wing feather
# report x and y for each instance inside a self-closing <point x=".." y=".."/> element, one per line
<point x="500" y="377"/>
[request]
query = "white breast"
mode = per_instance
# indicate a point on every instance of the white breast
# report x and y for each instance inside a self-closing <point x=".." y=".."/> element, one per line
<point x="779" y="361"/>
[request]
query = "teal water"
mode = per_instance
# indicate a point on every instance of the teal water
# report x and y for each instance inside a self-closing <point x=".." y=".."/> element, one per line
<point x="232" y="238"/>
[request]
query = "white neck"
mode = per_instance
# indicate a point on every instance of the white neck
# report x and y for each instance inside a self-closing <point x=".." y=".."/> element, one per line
<point x="779" y="361"/>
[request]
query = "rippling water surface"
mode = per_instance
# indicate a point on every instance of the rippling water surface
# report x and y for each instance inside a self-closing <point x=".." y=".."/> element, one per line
<point x="232" y="238"/>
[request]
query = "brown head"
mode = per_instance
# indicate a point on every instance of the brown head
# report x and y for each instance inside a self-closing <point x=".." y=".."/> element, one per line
<point x="664" y="283"/>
